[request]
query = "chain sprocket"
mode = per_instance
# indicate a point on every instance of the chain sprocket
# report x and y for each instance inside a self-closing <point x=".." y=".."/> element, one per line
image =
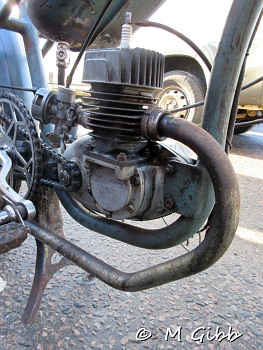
<point x="17" y="128"/>
<point x="72" y="169"/>
<point x="19" y="135"/>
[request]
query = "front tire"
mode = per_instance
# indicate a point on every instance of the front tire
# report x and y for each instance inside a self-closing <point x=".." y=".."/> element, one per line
<point x="182" y="89"/>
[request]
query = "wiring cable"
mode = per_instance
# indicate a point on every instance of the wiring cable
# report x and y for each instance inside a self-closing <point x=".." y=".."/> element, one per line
<point x="179" y="35"/>
<point x="87" y="42"/>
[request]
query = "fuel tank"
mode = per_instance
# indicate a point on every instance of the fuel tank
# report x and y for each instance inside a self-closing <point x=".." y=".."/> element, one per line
<point x="70" y="21"/>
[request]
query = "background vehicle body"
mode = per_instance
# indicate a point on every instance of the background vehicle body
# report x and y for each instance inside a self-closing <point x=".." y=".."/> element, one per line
<point x="187" y="78"/>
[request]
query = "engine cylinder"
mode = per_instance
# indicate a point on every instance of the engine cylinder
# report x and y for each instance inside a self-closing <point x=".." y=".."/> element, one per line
<point x="122" y="85"/>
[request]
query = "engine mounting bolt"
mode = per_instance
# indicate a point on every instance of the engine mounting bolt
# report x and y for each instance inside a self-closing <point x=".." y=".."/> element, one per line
<point x="122" y="157"/>
<point x="169" y="203"/>
<point x="169" y="169"/>
<point x="131" y="208"/>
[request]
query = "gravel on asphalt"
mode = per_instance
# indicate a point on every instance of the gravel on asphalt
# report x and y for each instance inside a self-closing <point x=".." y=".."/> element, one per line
<point x="205" y="311"/>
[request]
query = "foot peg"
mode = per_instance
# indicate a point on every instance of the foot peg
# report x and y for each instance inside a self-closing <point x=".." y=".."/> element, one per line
<point x="12" y="235"/>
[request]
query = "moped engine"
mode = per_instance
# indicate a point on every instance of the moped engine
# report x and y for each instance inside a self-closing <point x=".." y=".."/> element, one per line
<point x="123" y="173"/>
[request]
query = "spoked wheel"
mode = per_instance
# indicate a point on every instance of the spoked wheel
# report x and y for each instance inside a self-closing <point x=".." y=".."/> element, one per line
<point x="19" y="137"/>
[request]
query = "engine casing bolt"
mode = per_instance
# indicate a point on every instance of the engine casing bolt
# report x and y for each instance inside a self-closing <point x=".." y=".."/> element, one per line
<point x="169" y="169"/>
<point x="131" y="208"/>
<point x="136" y="181"/>
<point x="157" y="148"/>
<point x="107" y="214"/>
<point x="122" y="157"/>
<point x="169" y="203"/>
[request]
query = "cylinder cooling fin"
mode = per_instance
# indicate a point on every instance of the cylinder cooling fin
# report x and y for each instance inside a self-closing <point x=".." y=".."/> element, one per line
<point x="137" y="67"/>
<point x="122" y="85"/>
<point x="116" y="113"/>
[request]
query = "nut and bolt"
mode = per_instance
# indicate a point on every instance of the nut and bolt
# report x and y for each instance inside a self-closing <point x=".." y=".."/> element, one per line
<point x="122" y="157"/>
<point x="169" y="203"/>
<point x="131" y="208"/>
<point x="169" y="169"/>
<point x="107" y="214"/>
<point x="64" y="177"/>
<point x="62" y="55"/>
<point x="136" y="180"/>
<point x="157" y="148"/>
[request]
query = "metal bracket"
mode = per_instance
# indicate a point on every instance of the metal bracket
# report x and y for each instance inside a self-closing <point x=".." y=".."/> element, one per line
<point x="48" y="214"/>
<point x="16" y="208"/>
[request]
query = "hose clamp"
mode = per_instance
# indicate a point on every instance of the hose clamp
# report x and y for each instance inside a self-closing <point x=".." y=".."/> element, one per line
<point x="150" y="124"/>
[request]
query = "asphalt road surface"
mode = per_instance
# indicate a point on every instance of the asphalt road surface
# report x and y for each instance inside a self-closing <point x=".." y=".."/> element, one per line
<point x="221" y="308"/>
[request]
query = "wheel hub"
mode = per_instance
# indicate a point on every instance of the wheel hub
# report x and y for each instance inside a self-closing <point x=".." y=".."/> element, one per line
<point x="172" y="99"/>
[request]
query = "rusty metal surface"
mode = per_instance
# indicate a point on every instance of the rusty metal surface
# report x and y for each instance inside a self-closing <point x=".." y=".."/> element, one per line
<point x="228" y="62"/>
<point x="223" y="222"/>
<point x="77" y="18"/>
<point x="6" y="9"/>
<point x="48" y="215"/>
<point x="12" y="235"/>
<point x="79" y="312"/>
<point x="218" y="236"/>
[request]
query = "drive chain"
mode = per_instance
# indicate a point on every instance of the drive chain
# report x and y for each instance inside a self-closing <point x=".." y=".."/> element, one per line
<point x="39" y="146"/>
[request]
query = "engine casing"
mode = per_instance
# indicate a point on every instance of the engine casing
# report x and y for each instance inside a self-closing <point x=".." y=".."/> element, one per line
<point x="122" y="187"/>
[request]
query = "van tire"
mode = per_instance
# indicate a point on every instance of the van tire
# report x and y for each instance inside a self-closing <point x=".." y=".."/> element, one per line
<point x="181" y="89"/>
